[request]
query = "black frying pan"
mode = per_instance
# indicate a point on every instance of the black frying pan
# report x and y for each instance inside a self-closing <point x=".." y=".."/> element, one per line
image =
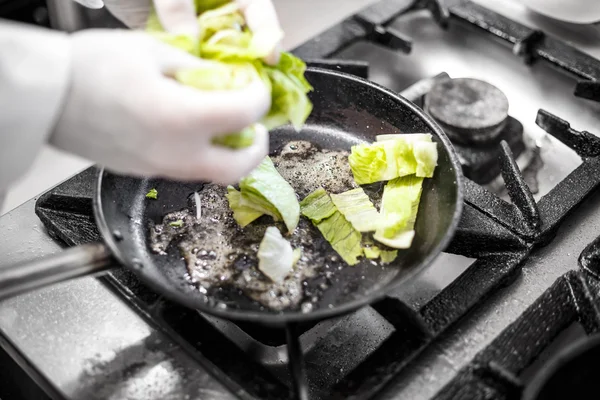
<point x="347" y="110"/>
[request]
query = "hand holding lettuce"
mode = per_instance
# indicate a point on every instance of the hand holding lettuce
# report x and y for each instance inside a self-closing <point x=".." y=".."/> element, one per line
<point x="237" y="56"/>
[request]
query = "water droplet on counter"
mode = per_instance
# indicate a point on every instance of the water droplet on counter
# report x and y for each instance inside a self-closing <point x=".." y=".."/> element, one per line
<point x="117" y="235"/>
<point x="306" y="307"/>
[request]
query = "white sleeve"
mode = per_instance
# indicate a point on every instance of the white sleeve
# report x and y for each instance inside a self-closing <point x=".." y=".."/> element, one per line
<point x="34" y="79"/>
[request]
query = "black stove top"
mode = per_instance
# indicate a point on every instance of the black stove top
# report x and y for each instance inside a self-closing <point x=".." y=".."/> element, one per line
<point x="499" y="234"/>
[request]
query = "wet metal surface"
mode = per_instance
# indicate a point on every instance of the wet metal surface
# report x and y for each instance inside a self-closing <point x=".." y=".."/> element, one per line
<point x="84" y="339"/>
<point x="88" y="343"/>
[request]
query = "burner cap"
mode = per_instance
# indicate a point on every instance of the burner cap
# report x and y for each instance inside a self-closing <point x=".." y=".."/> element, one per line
<point x="471" y="111"/>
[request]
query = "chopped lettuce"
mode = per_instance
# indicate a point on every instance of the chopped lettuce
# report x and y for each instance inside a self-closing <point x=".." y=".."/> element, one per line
<point x="238" y="57"/>
<point x="344" y="239"/>
<point x="237" y="140"/>
<point x="387" y="256"/>
<point x="372" y="252"/>
<point x="317" y="206"/>
<point x="368" y="163"/>
<point x="336" y="229"/>
<point x="276" y="258"/>
<point x="242" y="214"/>
<point x="218" y="75"/>
<point x="176" y="224"/>
<point x="265" y="190"/>
<point x="358" y="209"/>
<point x="426" y="155"/>
<point x="393" y="156"/>
<point x="152" y="194"/>
<point x="400" y="203"/>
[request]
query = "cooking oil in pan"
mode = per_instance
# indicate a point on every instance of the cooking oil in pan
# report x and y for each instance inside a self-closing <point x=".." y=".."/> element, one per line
<point x="219" y="253"/>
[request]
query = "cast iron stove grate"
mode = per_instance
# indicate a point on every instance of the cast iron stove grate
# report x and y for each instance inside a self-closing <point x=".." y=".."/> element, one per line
<point x="500" y="235"/>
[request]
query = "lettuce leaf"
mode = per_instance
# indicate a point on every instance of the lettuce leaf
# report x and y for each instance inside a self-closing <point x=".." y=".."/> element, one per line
<point x="317" y="206"/>
<point x="265" y="189"/>
<point x="243" y="214"/>
<point x="336" y="229"/>
<point x="393" y="156"/>
<point x="372" y="252"/>
<point x="218" y="76"/>
<point x="426" y="155"/>
<point x="400" y="202"/>
<point x="358" y="209"/>
<point x="368" y="163"/>
<point x="385" y="256"/>
<point x="225" y="39"/>
<point x="276" y="258"/>
<point x="344" y="239"/>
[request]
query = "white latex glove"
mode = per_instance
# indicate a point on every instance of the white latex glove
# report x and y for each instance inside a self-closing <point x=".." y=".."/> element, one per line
<point x="178" y="16"/>
<point x="123" y="111"/>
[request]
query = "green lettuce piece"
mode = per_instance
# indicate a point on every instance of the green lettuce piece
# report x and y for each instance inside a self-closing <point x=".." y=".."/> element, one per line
<point x="393" y="156"/>
<point x="218" y="76"/>
<point x="388" y="256"/>
<point x="400" y="202"/>
<point x="358" y="209"/>
<point x="317" y="206"/>
<point x="225" y="39"/>
<point x="265" y="189"/>
<point x="372" y="252"/>
<point x="289" y="87"/>
<point x="242" y="214"/>
<point x="276" y="258"/>
<point x="204" y="5"/>
<point x="426" y="155"/>
<point x="297" y="255"/>
<point x="368" y="163"/>
<point x="152" y="194"/>
<point x="385" y="256"/>
<point x="381" y="161"/>
<point x="237" y="140"/>
<point x="336" y="229"/>
<point x="344" y="239"/>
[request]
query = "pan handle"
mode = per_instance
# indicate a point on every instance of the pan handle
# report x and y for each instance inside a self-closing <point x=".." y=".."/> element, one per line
<point x="87" y="259"/>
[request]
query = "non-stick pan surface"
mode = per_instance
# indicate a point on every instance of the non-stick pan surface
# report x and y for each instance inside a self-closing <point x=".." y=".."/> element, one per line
<point x="347" y="111"/>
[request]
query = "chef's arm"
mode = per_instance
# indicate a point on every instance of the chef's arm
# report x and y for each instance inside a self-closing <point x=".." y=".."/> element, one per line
<point x="34" y="79"/>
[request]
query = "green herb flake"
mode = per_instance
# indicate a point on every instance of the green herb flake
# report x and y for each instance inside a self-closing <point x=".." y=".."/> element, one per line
<point x="152" y="194"/>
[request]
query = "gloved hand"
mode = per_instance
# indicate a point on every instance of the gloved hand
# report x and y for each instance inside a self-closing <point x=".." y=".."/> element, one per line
<point x="125" y="112"/>
<point x="178" y="16"/>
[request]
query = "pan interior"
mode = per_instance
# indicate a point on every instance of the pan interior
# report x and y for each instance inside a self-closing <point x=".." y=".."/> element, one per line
<point x="347" y="111"/>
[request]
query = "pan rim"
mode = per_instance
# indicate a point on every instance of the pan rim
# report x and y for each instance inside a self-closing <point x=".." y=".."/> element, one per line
<point x="285" y="317"/>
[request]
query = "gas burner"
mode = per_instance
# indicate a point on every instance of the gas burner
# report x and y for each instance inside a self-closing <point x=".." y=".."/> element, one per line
<point x="471" y="111"/>
<point x="474" y="115"/>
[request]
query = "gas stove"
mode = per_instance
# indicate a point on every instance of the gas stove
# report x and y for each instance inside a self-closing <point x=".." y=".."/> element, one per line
<point x="520" y="279"/>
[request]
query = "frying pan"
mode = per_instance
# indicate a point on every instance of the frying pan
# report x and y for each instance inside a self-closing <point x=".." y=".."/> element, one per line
<point x="347" y="110"/>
